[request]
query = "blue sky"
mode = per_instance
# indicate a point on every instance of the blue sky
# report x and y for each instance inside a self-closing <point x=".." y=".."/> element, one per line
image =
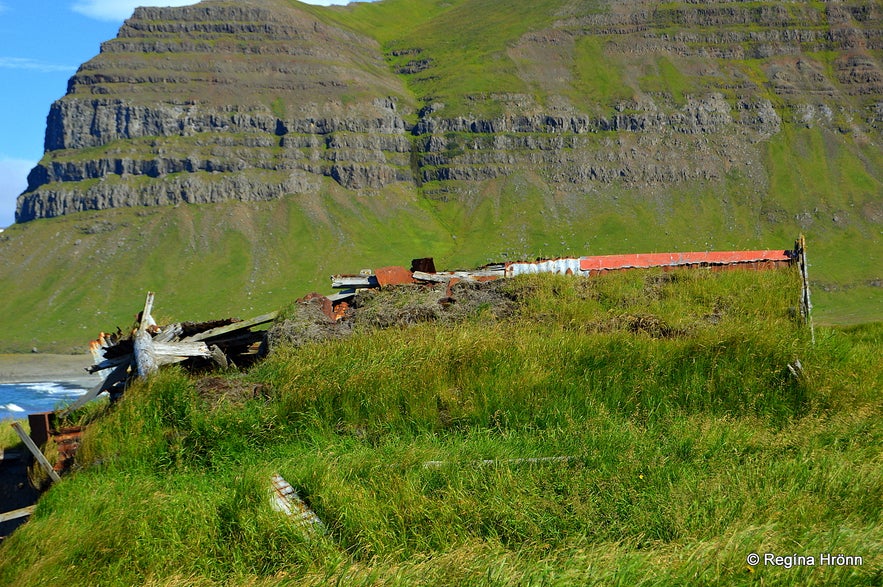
<point x="42" y="42"/>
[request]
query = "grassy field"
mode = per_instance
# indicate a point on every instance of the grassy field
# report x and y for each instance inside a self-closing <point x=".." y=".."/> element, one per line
<point x="246" y="258"/>
<point x="63" y="280"/>
<point x="691" y="420"/>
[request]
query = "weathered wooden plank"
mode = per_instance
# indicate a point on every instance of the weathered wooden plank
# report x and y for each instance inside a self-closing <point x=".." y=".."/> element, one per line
<point x="461" y="275"/>
<point x="146" y="318"/>
<point x="115" y="376"/>
<point x="805" y="301"/>
<point x="169" y="333"/>
<point x="111" y="363"/>
<point x="219" y="357"/>
<point x="84" y="399"/>
<point x="433" y="277"/>
<point x="256" y="321"/>
<point x="35" y="451"/>
<point x="145" y="358"/>
<point x="180" y="349"/>
<point x="16" y="514"/>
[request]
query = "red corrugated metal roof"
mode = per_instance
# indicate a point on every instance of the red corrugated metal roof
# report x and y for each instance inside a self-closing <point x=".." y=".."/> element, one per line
<point x="645" y="260"/>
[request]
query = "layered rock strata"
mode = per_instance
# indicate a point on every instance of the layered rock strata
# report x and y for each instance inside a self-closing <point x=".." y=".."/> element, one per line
<point x="258" y="99"/>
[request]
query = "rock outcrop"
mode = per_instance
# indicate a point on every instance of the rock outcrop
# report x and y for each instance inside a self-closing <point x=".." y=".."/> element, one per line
<point x="258" y="99"/>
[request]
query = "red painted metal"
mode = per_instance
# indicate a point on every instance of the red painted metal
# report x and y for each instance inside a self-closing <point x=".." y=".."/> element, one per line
<point x="709" y="258"/>
<point x="395" y="275"/>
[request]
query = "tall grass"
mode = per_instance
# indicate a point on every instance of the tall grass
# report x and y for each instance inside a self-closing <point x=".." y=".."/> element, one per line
<point x="684" y="443"/>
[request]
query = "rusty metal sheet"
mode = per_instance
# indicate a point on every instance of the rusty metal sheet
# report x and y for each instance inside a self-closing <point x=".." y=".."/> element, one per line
<point x="426" y="265"/>
<point x="394" y="275"/>
<point x="322" y="302"/>
<point x="40" y="425"/>
<point x="648" y="260"/>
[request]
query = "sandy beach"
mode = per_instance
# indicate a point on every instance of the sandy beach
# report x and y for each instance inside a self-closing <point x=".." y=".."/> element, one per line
<point x="26" y="368"/>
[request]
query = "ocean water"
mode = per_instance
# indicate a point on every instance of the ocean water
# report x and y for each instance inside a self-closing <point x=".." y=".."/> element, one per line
<point x="17" y="400"/>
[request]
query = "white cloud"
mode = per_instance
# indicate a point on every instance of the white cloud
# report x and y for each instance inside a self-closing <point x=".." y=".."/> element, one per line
<point x="13" y="181"/>
<point x="34" y="65"/>
<point x="120" y="10"/>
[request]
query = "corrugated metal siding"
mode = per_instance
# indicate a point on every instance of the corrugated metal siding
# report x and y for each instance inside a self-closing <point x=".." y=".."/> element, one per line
<point x="569" y="266"/>
<point x="286" y="500"/>
<point x="647" y="260"/>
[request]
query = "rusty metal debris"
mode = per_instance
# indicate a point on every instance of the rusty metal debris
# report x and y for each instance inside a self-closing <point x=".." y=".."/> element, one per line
<point x="423" y="271"/>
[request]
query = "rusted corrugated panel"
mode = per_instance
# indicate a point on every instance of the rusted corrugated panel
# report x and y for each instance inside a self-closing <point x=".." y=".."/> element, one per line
<point x="647" y="260"/>
<point x="569" y="266"/>
<point x="426" y="265"/>
<point x="395" y="275"/>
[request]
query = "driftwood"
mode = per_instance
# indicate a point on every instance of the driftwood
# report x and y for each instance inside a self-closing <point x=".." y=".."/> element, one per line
<point x="121" y="359"/>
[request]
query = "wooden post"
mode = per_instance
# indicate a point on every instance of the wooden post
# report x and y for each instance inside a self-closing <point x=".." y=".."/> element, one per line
<point x="805" y="302"/>
<point x="35" y="451"/>
<point x="145" y="357"/>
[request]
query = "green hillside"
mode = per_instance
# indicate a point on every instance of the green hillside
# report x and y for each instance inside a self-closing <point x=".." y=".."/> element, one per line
<point x="553" y="128"/>
<point x="643" y="428"/>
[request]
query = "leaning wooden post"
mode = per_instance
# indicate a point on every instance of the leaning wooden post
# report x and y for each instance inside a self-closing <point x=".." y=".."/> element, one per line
<point x="145" y="356"/>
<point x="44" y="462"/>
<point x="805" y="302"/>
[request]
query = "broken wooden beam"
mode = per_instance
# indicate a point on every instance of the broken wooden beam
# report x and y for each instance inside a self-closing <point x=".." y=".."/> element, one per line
<point x="256" y="321"/>
<point x="38" y="454"/>
<point x="145" y="356"/>
<point x="16" y="514"/>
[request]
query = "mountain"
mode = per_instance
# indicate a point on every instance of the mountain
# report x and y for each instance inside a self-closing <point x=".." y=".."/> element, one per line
<point x="321" y="139"/>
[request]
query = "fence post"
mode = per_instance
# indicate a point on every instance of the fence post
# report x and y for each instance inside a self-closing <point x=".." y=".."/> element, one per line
<point x="805" y="302"/>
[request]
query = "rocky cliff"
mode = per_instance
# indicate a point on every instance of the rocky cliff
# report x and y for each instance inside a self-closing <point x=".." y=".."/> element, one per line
<point x="258" y="99"/>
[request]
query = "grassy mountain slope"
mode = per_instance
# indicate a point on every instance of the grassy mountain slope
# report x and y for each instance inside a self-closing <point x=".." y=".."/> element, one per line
<point x="689" y="444"/>
<point x="243" y="259"/>
<point x="811" y="164"/>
